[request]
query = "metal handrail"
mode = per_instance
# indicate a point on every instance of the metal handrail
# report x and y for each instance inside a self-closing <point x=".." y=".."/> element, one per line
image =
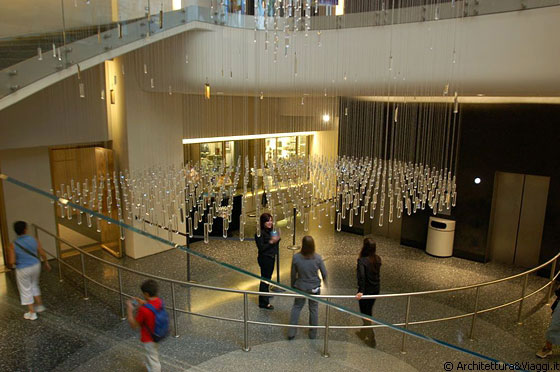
<point x="406" y="324"/>
<point x="232" y="290"/>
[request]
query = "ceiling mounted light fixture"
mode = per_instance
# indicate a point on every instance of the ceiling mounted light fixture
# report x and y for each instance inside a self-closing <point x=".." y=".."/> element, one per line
<point x="207" y="90"/>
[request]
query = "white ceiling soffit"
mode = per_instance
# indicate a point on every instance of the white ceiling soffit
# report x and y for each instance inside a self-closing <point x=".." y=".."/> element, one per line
<point x="506" y="54"/>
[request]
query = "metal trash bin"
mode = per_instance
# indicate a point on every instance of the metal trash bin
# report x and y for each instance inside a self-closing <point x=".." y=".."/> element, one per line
<point x="441" y="233"/>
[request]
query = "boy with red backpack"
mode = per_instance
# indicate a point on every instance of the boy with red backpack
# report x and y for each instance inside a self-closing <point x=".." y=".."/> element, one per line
<point x="153" y="321"/>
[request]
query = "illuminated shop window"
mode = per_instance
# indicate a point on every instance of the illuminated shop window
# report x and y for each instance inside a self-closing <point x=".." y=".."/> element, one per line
<point x="286" y="147"/>
<point x="211" y="154"/>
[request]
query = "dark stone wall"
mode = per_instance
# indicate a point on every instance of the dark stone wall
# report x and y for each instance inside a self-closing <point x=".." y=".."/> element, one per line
<point x="516" y="138"/>
<point x="512" y="138"/>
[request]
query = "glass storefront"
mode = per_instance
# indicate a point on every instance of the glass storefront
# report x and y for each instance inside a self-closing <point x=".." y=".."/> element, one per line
<point x="302" y="146"/>
<point x="211" y="154"/>
<point x="229" y="151"/>
<point x="270" y="148"/>
<point x="286" y="147"/>
<point x="216" y="154"/>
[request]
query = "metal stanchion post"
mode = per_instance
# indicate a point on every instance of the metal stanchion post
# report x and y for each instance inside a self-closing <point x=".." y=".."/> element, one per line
<point x="36" y="234"/>
<point x="149" y="19"/>
<point x="407" y="316"/>
<point x="84" y="276"/>
<point x="189" y="299"/>
<point x="294" y="247"/>
<point x="522" y="299"/>
<point x="188" y="275"/>
<point x="188" y="261"/>
<point x="58" y="257"/>
<point x="474" y="313"/>
<point x="295" y="226"/>
<point x="59" y="261"/>
<point x="175" y="325"/>
<point x="278" y="265"/>
<point x="327" y="323"/>
<point x="123" y="316"/>
<point x="246" y="322"/>
<point x="550" y="285"/>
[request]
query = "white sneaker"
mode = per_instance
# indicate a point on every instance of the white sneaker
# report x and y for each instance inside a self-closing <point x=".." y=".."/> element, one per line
<point x="30" y="316"/>
<point x="40" y="308"/>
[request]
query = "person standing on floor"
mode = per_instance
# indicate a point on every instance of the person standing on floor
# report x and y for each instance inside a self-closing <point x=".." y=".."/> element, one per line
<point x="267" y="245"/>
<point x="305" y="276"/>
<point x="24" y="254"/>
<point x="369" y="266"/>
<point x="145" y="319"/>
<point x="553" y="331"/>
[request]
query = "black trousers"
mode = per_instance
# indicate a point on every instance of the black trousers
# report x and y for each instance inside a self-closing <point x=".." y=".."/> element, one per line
<point x="366" y="305"/>
<point x="267" y="267"/>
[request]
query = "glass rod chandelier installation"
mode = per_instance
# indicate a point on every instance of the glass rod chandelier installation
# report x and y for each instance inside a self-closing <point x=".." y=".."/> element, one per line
<point x="349" y="188"/>
<point x="398" y="135"/>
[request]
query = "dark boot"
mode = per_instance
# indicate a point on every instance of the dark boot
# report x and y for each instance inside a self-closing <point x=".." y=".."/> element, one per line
<point x="371" y="339"/>
<point x="363" y="333"/>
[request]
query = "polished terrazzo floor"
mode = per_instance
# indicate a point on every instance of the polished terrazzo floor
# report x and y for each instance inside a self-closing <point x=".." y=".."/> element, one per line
<point x="75" y="334"/>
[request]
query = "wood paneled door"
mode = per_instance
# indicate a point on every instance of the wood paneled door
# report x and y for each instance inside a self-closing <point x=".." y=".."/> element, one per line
<point x="80" y="164"/>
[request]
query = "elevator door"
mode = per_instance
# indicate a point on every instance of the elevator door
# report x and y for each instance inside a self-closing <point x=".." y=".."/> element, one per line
<point x="517" y="218"/>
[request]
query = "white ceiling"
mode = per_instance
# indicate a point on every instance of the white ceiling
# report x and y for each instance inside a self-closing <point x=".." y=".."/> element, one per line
<point x="508" y="54"/>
